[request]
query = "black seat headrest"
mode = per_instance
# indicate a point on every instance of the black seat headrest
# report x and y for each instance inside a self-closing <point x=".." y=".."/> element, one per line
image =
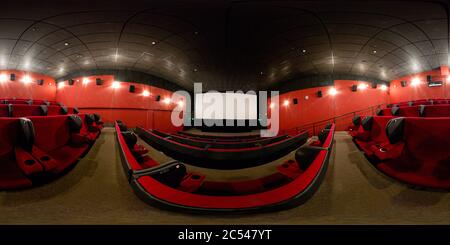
<point x="389" y="105"/>
<point x="305" y="156"/>
<point x="379" y="112"/>
<point x="10" y="110"/>
<point x="130" y="139"/>
<point x="395" y="111"/>
<point x="367" y="122"/>
<point x="431" y="102"/>
<point x="170" y="175"/>
<point x="89" y="119"/>
<point x="27" y="134"/>
<point x="123" y="127"/>
<point x="323" y="135"/>
<point x="97" y="117"/>
<point x="64" y="110"/>
<point x="44" y="110"/>
<point x="75" y="123"/>
<point x="422" y="110"/>
<point x="119" y="121"/>
<point x="410" y="103"/>
<point x="5" y="102"/>
<point x="29" y="102"/>
<point x="394" y="129"/>
<point x="75" y="110"/>
<point x="328" y="126"/>
<point x="356" y="120"/>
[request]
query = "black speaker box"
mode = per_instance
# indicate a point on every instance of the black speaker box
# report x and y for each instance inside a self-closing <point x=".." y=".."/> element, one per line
<point x="99" y="81"/>
<point x="132" y="88"/>
<point x="12" y="77"/>
<point x="429" y="78"/>
<point x="71" y="82"/>
<point x="158" y="97"/>
<point x="403" y="83"/>
<point x="295" y="101"/>
<point x="40" y="82"/>
<point x="319" y="93"/>
<point x="354" y="88"/>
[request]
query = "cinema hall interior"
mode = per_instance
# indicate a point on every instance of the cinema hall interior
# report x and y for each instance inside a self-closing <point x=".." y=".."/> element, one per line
<point x="217" y="112"/>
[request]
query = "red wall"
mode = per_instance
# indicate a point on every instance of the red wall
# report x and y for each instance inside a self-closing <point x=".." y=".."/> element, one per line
<point x="18" y="89"/>
<point x="422" y="91"/>
<point x="134" y="109"/>
<point x="316" y="109"/>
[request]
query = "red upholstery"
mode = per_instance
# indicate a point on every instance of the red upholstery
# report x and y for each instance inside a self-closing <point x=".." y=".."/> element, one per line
<point x="3" y="110"/>
<point x="411" y="111"/>
<point x="26" y="110"/>
<point x="54" y="110"/>
<point x="425" y="159"/>
<point x="437" y="111"/>
<point x="370" y="141"/>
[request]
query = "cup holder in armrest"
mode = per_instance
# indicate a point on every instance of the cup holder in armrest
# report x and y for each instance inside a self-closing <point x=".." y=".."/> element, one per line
<point x="29" y="162"/>
<point x="383" y="149"/>
<point x="45" y="158"/>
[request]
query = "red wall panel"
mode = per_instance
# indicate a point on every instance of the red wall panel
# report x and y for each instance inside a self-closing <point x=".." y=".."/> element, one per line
<point x="20" y="90"/>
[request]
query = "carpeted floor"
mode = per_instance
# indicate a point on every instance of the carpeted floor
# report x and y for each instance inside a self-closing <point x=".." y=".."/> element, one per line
<point x="96" y="192"/>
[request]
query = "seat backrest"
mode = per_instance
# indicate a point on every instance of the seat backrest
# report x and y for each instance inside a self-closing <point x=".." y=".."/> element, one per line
<point x="4" y="111"/>
<point x="437" y="111"/>
<point x="427" y="139"/>
<point x="52" y="132"/>
<point x="412" y="111"/>
<point x="26" y="110"/>
<point x="378" y="129"/>
<point x="53" y="110"/>
<point x="8" y="135"/>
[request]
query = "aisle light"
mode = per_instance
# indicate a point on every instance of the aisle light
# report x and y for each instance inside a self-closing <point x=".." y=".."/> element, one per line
<point x="332" y="91"/>
<point x="146" y="93"/>
<point x="115" y="85"/>
<point x="3" y="77"/>
<point x="415" y="81"/>
<point x="383" y="87"/>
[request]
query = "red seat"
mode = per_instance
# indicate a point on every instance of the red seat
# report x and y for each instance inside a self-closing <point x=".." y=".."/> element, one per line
<point x="437" y="111"/>
<point x="27" y="111"/>
<point x="373" y="138"/>
<point x="4" y="111"/>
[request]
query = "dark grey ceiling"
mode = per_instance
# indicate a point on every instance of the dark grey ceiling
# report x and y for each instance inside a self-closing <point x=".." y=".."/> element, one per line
<point x="226" y="44"/>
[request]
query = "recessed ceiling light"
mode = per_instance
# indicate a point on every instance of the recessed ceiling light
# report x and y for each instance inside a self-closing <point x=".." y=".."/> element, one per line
<point x="153" y="43"/>
<point x="66" y="44"/>
<point x="261" y="73"/>
<point x="303" y="50"/>
<point x="195" y="70"/>
<point x="374" y="51"/>
<point x="35" y="29"/>
<point x="195" y="32"/>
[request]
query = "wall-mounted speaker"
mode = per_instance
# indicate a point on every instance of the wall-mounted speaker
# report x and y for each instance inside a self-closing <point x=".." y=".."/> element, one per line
<point x="374" y="85"/>
<point x="295" y="101"/>
<point x="71" y="82"/>
<point x="429" y="78"/>
<point x="132" y="88"/>
<point x="158" y="97"/>
<point x="12" y="77"/>
<point x="354" y="88"/>
<point x="319" y="93"/>
<point x="403" y="83"/>
<point x="99" y="81"/>
<point x="40" y="82"/>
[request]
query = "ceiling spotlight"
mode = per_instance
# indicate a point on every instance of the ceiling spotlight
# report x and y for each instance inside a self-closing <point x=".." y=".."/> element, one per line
<point x="35" y="28"/>
<point x="195" y="70"/>
<point x="26" y="79"/>
<point x="166" y="100"/>
<point x="415" y="67"/>
<point x="261" y="73"/>
<point x="115" y="85"/>
<point x="303" y="50"/>
<point x="61" y="70"/>
<point x="195" y="32"/>
<point x="415" y="81"/>
<point x="286" y="102"/>
<point x="146" y="93"/>
<point x="66" y="44"/>
<point x="85" y="80"/>
<point x="3" y="78"/>
<point x="383" y="87"/>
<point x="332" y="91"/>
<point x="154" y="43"/>
<point x="374" y="51"/>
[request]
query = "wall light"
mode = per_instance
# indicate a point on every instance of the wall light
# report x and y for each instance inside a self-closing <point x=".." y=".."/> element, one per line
<point x="61" y="85"/>
<point x="286" y="102"/>
<point x="115" y="85"/>
<point x="26" y="79"/>
<point x="146" y="93"/>
<point x="448" y="79"/>
<point x="332" y="91"/>
<point x="85" y="80"/>
<point x="166" y="100"/>
<point x="272" y="105"/>
<point x="383" y="87"/>
<point x="363" y="86"/>
<point x="415" y="82"/>
<point x="3" y="78"/>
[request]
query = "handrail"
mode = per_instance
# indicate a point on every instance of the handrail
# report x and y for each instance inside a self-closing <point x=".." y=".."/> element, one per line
<point x="314" y="125"/>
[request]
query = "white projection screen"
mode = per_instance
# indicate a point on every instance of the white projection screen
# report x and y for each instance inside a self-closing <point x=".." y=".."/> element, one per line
<point x="226" y="106"/>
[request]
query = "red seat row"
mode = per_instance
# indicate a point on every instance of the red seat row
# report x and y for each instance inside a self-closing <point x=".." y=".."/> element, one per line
<point x="170" y="185"/>
<point x="442" y="110"/>
<point x="28" y="101"/>
<point x="34" y="148"/>
<point x="411" y="149"/>
<point x="420" y="102"/>
<point x="18" y="110"/>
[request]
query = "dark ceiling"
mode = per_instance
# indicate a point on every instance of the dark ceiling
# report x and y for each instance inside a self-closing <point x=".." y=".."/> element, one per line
<point x="226" y="44"/>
